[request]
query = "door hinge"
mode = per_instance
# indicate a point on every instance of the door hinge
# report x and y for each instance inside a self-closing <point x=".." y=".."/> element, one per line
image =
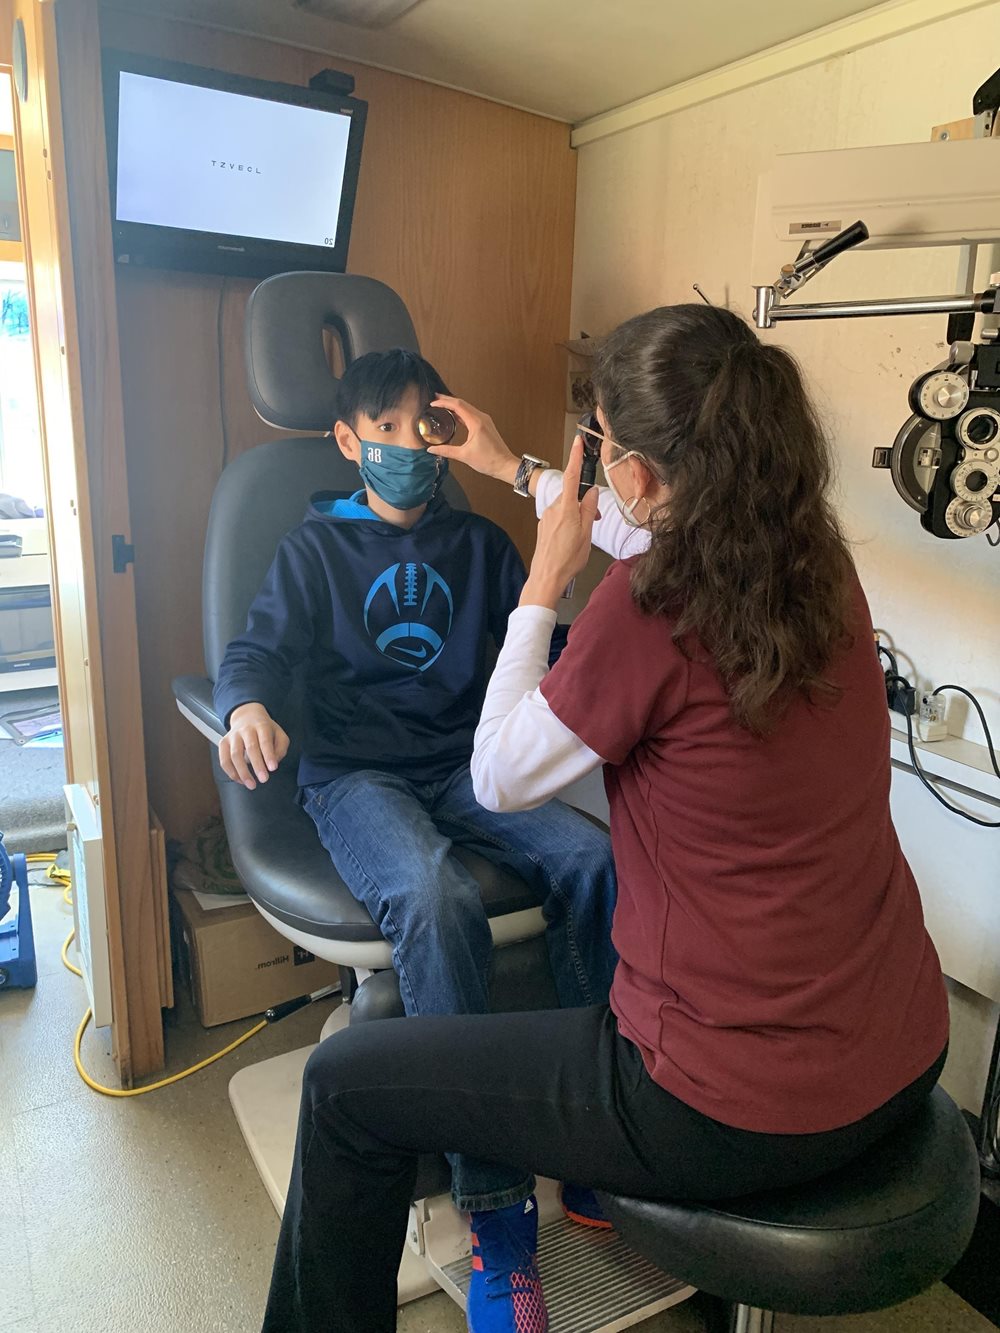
<point x="122" y="554"/>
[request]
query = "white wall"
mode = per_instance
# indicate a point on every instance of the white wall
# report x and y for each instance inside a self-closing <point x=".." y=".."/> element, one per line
<point x="671" y="202"/>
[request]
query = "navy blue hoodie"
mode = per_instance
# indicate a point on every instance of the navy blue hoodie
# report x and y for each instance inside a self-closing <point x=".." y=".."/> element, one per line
<point x="392" y="625"/>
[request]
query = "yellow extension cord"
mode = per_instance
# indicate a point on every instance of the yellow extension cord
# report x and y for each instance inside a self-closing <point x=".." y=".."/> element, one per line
<point x="62" y="876"/>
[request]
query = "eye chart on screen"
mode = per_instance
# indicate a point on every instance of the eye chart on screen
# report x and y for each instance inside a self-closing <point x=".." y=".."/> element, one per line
<point x="202" y="159"/>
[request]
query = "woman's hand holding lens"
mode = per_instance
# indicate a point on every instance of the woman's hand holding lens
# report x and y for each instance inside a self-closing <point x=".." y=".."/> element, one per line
<point x="564" y="538"/>
<point x="484" y="450"/>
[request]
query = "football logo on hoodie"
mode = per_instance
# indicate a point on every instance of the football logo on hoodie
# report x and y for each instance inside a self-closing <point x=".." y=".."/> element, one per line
<point x="409" y="612"/>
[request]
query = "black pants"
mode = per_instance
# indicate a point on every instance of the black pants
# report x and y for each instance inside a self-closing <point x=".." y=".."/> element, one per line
<point x="559" y="1092"/>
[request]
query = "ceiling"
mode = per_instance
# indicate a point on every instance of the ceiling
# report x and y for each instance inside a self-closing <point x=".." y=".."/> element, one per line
<point x="570" y="59"/>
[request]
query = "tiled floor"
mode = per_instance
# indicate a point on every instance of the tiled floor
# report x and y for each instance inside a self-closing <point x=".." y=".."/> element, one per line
<point x="146" y="1214"/>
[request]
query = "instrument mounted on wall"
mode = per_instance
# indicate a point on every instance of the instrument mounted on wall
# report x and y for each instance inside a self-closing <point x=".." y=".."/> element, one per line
<point x="945" y="460"/>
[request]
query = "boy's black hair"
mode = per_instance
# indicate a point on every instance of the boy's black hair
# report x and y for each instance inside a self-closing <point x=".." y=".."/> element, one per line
<point x="376" y="382"/>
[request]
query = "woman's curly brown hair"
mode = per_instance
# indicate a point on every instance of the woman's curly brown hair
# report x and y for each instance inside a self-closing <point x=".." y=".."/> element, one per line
<point x="747" y="556"/>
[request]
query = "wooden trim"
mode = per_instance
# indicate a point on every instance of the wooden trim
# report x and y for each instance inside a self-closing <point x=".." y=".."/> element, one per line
<point x="954" y="129"/>
<point x="158" y="858"/>
<point x="62" y="163"/>
<point x="836" y="39"/>
<point x="74" y="26"/>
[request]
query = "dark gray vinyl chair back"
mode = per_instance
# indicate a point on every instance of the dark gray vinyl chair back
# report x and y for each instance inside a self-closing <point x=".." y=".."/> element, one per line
<point x="264" y="493"/>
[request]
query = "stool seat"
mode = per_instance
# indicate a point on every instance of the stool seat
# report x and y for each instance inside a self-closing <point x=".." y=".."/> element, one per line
<point x="868" y="1236"/>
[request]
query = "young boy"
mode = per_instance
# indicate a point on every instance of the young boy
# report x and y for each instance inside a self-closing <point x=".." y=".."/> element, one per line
<point x="388" y="598"/>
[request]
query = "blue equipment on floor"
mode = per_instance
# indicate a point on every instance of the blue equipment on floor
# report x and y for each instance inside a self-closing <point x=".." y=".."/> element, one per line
<point x="17" y="940"/>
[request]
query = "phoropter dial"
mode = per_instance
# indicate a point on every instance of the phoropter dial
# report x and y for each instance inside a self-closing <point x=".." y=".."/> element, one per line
<point x="940" y="395"/>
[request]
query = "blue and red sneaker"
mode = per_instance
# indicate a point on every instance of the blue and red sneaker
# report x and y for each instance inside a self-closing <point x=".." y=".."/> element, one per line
<point x="506" y="1292"/>
<point x="580" y="1205"/>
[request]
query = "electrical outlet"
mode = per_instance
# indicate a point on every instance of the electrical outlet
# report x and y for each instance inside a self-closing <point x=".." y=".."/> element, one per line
<point x="931" y="725"/>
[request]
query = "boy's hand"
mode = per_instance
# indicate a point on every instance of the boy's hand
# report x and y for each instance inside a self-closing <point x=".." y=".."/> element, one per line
<point x="484" y="450"/>
<point x="254" y="741"/>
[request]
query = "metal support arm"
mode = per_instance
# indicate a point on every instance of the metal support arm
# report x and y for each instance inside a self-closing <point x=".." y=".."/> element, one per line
<point x="770" y="310"/>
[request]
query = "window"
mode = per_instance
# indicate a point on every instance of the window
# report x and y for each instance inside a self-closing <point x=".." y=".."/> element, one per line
<point x="21" y="474"/>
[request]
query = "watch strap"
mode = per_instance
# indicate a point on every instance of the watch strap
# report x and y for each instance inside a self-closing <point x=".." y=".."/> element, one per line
<point x="527" y="465"/>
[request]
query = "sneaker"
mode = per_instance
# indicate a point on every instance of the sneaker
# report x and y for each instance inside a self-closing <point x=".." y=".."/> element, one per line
<point x="580" y="1205"/>
<point x="505" y="1295"/>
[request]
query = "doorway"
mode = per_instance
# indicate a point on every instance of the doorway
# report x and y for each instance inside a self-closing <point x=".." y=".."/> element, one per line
<point x="32" y="764"/>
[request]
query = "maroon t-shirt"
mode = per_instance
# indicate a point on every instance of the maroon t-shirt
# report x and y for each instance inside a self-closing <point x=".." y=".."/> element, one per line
<point x="775" y="970"/>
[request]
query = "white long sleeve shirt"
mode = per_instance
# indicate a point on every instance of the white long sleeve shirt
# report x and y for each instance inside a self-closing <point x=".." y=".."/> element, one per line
<point x="523" y="754"/>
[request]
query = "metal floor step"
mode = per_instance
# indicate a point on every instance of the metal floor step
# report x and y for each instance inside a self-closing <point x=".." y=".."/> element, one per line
<point x="593" y="1282"/>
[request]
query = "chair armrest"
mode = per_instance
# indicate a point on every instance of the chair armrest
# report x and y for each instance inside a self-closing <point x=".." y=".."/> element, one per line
<point x="194" y="699"/>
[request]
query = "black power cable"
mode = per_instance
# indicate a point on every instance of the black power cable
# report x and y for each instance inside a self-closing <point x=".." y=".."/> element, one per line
<point x="982" y="717"/>
<point x="893" y="677"/>
<point x="955" y="810"/>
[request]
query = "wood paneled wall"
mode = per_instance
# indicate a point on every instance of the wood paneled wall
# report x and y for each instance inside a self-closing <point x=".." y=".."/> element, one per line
<point x="465" y="208"/>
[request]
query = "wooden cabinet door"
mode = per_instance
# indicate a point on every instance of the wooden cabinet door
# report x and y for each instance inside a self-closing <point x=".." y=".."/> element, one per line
<point x="62" y="167"/>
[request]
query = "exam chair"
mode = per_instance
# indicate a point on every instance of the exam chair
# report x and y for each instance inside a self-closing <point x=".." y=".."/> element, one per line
<point x="260" y="496"/>
<point x="283" y="866"/>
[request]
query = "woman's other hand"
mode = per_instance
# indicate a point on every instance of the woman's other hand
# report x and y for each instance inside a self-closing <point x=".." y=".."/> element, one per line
<point x="484" y="450"/>
<point x="564" y="538"/>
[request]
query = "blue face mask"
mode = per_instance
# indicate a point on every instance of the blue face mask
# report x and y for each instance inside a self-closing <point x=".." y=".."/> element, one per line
<point x="403" y="478"/>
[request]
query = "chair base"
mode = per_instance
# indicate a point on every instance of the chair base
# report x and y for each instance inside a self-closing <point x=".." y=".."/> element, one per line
<point x="594" y="1284"/>
<point x="748" y="1319"/>
<point x="725" y="1317"/>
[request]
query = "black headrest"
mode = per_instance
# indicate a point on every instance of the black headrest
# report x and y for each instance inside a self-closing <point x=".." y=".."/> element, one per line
<point x="291" y="383"/>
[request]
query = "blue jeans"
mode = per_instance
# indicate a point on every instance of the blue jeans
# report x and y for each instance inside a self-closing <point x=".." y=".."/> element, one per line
<point x="390" y="840"/>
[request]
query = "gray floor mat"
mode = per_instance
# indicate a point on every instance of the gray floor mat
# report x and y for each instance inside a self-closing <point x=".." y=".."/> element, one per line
<point x="32" y="818"/>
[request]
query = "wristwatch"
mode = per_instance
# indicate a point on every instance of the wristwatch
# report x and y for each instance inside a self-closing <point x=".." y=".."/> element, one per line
<point x="527" y="465"/>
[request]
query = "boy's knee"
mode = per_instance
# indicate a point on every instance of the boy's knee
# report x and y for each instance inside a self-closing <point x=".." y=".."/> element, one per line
<point x="452" y="908"/>
<point x="591" y="853"/>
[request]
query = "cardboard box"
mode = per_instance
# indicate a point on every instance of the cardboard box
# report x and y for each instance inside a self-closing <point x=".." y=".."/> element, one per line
<point x="239" y="965"/>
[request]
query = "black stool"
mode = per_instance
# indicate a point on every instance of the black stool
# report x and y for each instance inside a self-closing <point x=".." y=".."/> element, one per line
<point x="872" y="1235"/>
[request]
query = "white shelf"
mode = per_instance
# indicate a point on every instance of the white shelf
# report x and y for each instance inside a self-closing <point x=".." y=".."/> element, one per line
<point x="39" y="678"/>
<point x="960" y="763"/>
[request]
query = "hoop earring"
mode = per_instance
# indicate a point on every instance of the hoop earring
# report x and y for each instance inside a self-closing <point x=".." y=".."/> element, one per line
<point x="629" y="508"/>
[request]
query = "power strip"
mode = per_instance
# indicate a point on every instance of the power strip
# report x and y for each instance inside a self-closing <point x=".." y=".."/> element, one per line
<point x="901" y="697"/>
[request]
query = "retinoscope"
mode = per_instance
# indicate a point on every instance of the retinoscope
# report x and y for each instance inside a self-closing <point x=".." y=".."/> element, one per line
<point x="590" y="432"/>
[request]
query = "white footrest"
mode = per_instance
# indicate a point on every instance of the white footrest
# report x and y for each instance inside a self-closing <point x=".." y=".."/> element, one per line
<point x="593" y="1282"/>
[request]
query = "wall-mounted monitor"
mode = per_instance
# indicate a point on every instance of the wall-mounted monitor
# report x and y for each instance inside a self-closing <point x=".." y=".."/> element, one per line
<point x="216" y="173"/>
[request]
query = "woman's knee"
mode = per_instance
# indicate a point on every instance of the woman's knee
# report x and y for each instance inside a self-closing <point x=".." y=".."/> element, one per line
<point x="346" y="1059"/>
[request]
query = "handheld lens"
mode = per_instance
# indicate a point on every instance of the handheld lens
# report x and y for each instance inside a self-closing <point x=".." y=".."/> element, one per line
<point x="436" y="425"/>
<point x="591" y="451"/>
